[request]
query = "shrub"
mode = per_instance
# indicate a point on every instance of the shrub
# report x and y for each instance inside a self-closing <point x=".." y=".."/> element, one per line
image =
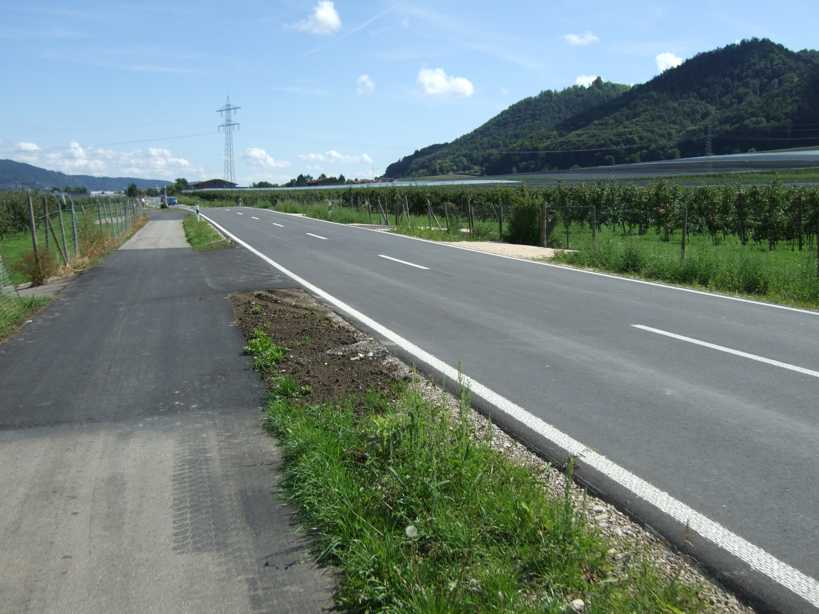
<point x="38" y="270"/>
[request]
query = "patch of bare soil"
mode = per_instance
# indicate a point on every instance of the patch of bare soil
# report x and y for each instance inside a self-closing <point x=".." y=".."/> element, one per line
<point x="324" y="352"/>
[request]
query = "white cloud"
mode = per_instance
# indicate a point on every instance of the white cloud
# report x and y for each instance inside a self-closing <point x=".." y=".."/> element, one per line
<point x="26" y="147"/>
<point x="323" y="20"/>
<point x="667" y="60"/>
<point x="364" y="85"/>
<point x="259" y="158"/>
<point x="585" y="80"/>
<point x="150" y="163"/>
<point x="334" y="157"/>
<point x="435" y="82"/>
<point x="581" y="40"/>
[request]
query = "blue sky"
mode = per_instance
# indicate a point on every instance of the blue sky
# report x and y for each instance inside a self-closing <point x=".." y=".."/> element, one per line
<point x="337" y="87"/>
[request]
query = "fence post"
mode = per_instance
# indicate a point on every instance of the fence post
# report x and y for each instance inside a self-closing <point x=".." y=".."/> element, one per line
<point x="684" y="231"/>
<point x="74" y="228"/>
<point x="594" y="224"/>
<point x="369" y="212"/>
<point x="429" y="214"/>
<point x="45" y="221"/>
<point x="817" y="242"/>
<point x="62" y="227"/>
<point x="544" y="212"/>
<point x="33" y="220"/>
<point x="446" y="215"/>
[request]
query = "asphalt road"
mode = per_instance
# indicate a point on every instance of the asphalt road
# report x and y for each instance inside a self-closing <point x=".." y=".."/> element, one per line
<point x="134" y="472"/>
<point x="711" y="400"/>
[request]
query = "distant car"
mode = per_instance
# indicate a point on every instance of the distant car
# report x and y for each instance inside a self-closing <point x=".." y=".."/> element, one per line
<point x="171" y="201"/>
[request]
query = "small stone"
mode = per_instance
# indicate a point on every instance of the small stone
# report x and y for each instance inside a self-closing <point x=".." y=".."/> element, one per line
<point x="578" y="605"/>
<point x="411" y="532"/>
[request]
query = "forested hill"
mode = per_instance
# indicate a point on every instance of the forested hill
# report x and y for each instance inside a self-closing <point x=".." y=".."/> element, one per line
<point x="538" y="115"/>
<point x="752" y="95"/>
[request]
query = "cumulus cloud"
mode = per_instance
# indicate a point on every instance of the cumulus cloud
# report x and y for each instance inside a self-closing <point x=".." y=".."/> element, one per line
<point x="585" y="80"/>
<point x="334" y="157"/>
<point x="364" y="85"/>
<point x="667" y="60"/>
<point x="435" y="82"/>
<point x="260" y="159"/>
<point x="581" y="40"/>
<point x="151" y="163"/>
<point x="26" y="147"/>
<point x="323" y="20"/>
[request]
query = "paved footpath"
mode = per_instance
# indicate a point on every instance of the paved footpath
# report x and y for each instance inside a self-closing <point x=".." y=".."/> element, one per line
<point x="134" y="473"/>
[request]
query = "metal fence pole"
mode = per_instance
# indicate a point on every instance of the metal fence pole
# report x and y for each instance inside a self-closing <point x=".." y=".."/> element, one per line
<point x="62" y="227"/>
<point x="45" y="221"/>
<point x="33" y="220"/>
<point x="74" y="228"/>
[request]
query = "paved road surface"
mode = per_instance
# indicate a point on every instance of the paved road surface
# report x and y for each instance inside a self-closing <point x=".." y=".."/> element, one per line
<point x="711" y="400"/>
<point x="134" y="474"/>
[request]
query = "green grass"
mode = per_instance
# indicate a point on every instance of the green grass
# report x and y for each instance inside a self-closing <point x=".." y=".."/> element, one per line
<point x="14" y="310"/>
<point x="201" y="235"/>
<point x="783" y="275"/>
<point x="14" y="247"/>
<point x="421" y="515"/>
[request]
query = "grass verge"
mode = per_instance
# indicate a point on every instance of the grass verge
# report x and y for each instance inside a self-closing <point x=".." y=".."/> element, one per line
<point x="14" y="310"/>
<point x="420" y="514"/>
<point x="784" y="275"/>
<point x="201" y="235"/>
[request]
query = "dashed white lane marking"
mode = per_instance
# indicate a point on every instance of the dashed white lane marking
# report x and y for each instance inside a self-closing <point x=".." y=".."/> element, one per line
<point x="239" y="213"/>
<point x="727" y="350"/>
<point x="253" y="217"/>
<point x="310" y="234"/>
<point x="417" y="266"/>
<point x="278" y="225"/>
<point x="778" y="571"/>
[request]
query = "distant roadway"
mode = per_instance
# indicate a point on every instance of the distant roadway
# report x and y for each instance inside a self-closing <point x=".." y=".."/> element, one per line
<point x="711" y="400"/>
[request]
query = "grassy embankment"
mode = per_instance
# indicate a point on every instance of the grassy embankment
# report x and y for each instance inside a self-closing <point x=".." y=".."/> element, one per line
<point x="420" y="514"/>
<point x="14" y="310"/>
<point x="201" y="235"/>
<point x="96" y="240"/>
<point x="783" y="275"/>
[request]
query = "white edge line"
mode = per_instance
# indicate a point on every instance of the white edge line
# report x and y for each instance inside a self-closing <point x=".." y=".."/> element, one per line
<point x="253" y="217"/>
<point x="310" y="234"/>
<point x="564" y="267"/>
<point x="278" y="225"/>
<point x="727" y="350"/>
<point x="417" y="266"/>
<point x="778" y="571"/>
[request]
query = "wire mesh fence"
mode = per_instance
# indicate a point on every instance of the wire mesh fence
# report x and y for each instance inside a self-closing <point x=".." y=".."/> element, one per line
<point x="43" y="234"/>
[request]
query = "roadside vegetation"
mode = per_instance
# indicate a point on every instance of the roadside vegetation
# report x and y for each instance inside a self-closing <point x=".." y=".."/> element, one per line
<point x="761" y="242"/>
<point x="414" y="507"/>
<point x="201" y="235"/>
<point x="102" y="225"/>
<point x="14" y="310"/>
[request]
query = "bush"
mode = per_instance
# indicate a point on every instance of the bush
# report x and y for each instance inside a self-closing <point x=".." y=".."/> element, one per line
<point x="38" y="270"/>
<point x="524" y="225"/>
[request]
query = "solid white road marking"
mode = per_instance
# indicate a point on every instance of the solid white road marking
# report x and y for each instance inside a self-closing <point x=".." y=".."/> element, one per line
<point x="253" y="217"/>
<point x="727" y="350"/>
<point x="310" y="234"/>
<point x="417" y="266"/>
<point x="278" y="225"/>
<point x="798" y="583"/>
<point x="239" y="213"/>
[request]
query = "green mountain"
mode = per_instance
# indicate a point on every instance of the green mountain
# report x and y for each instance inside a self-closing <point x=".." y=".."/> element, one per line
<point x="752" y="95"/>
<point x="16" y="175"/>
